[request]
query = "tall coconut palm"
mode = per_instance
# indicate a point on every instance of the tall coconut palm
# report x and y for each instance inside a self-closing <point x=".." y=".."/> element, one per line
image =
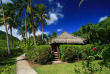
<point x="29" y="26"/>
<point x="80" y="2"/>
<point x="32" y="22"/>
<point x="23" y="5"/>
<point x="41" y="14"/>
<point x="10" y="13"/>
<point x="5" y="29"/>
<point x="54" y="34"/>
<point x="22" y="33"/>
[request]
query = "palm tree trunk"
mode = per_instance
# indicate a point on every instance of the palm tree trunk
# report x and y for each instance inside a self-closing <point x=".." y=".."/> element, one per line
<point x="32" y="23"/>
<point x="29" y="37"/>
<point x="26" y="29"/>
<point x="78" y="57"/>
<point x="42" y="32"/>
<point x="11" y="36"/>
<point x="6" y="29"/>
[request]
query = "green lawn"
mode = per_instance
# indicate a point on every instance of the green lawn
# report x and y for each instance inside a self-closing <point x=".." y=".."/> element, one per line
<point x="67" y="68"/>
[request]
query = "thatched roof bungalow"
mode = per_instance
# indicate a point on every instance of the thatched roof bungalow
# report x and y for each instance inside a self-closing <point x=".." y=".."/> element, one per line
<point x="65" y="38"/>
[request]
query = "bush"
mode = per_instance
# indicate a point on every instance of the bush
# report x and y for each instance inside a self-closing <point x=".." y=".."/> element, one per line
<point x="40" y="54"/>
<point x="14" y="52"/>
<point x="3" y="43"/>
<point x="76" y="51"/>
<point x="106" y="55"/>
<point x="67" y="52"/>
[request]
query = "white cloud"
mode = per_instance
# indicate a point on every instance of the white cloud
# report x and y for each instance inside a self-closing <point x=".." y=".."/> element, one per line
<point x="38" y="33"/>
<point x="59" y="30"/>
<point x="47" y="33"/>
<point x="56" y="13"/>
<point x="50" y="1"/>
<point x="59" y="5"/>
<point x="61" y="15"/>
<point x="6" y="1"/>
<point x="102" y="18"/>
<point x="53" y="17"/>
<point x="14" y="32"/>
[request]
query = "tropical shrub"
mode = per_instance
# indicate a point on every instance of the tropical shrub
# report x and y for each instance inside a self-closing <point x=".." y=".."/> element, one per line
<point x="106" y="55"/>
<point x="3" y="43"/>
<point x="14" y="52"/>
<point x="67" y="52"/>
<point x="70" y="51"/>
<point x="7" y="69"/>
<point x="40" y="54"/>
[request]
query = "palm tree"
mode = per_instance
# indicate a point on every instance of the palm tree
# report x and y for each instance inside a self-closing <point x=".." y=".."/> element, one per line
<point x="80" y="2"/>
<point x="10" y="13"/>
<point x="22" y="33"/>
<point x="54" y="34"/>
<point x="29" y="26"/>
<point x="5" y="29"/>
<point x="32" y="22"/>
<point x="23" y="5"/>
<point x="41" y="14"/>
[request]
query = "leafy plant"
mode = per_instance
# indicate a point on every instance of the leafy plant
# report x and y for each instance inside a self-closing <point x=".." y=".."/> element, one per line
<point x="69" y="52"/>
<point x="40" y="54"/>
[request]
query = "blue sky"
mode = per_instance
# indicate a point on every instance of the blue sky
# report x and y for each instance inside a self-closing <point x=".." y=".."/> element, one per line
<point x="67" y="16"/>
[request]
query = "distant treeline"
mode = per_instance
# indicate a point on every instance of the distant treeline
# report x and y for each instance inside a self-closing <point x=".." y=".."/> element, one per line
<point x="3" y="36"/>
<point x="96" y="33"/>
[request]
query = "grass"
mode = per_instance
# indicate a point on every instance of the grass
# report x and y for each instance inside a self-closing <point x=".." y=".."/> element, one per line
<point x="67" y="68"/>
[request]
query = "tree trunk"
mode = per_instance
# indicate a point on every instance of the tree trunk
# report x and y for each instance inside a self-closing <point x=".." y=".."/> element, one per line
<point x="89" y="39"/>
<point x="26" y="30"/>
<point x="42" y="32"/>
<point x="6" y="29"/>
<point x="78" y="57"/>
<point x="32" y="23"/>
<point x="11" y="36"/>
<point x="29" y="37"/>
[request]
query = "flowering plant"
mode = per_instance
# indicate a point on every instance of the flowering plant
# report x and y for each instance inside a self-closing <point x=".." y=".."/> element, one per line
<point x="94" y="48"/>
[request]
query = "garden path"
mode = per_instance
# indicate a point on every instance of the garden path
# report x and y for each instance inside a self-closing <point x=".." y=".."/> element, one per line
<point x="23" y="67"/>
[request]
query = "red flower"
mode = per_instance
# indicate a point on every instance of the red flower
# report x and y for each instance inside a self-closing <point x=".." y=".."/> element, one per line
<point x="94" y="49"/>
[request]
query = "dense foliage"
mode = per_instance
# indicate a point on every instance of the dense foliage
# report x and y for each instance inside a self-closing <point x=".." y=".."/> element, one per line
<point x="40" y="54"/>
<point x="3" y="42"/>
<point x="4" y="52"/>
<point x="106" y="56"/>
<point x="96" y="33"/>
<point x="76" y="51"/>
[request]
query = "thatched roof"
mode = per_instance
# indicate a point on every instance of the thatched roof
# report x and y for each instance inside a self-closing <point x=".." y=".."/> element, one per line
<point x="68" y="38"/>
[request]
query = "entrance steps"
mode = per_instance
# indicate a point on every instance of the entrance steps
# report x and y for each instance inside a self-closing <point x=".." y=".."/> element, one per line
<point x="55" y="59"/>
<point x="57" y="62"/>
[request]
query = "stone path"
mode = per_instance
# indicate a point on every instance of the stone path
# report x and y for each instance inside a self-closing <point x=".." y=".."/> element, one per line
<point x="23" y="67"/>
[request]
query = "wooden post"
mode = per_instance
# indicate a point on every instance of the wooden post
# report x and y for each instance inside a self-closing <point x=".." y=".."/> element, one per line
<point x="58" y="50"/>
<point x="51" y="48"/>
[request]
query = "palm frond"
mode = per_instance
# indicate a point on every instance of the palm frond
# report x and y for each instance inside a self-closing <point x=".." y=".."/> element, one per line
<point x="80" y="3"/>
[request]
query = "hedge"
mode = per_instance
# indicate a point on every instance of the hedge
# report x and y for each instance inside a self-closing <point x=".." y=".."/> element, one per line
<point x="40" y="54"/>
<point x="4" y="52"/>
<point x="106" y="56"/>
<point x="3" y="43"/>
<point x="70" y="52"/>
